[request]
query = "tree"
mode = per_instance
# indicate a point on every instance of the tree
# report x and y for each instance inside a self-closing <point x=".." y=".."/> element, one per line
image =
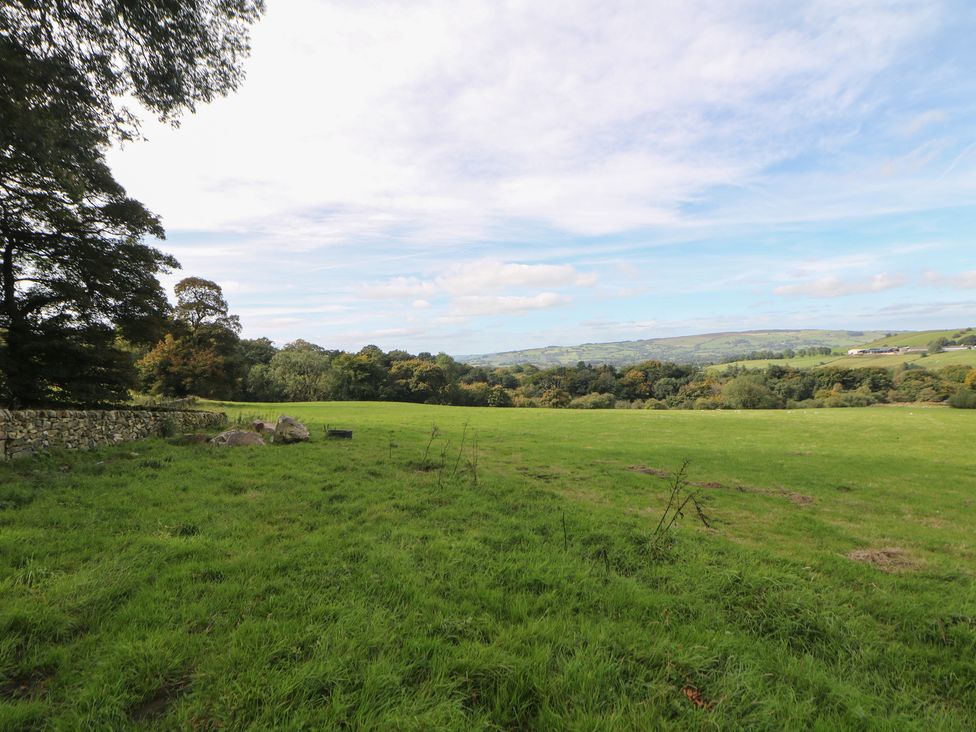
<point x="299" y="371"/>
<point x="748" y="391"/>
<point x="200" y="302"/>
<point x="177" y="367"/>
<point x="203" y="342"/>
<point x="74" y="269"/>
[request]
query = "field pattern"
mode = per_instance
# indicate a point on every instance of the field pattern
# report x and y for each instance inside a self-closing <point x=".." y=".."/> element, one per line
<point x="704" y="348"/>
<point x="499" y="572"/>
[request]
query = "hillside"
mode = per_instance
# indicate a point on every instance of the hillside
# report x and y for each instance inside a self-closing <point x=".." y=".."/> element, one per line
<point x="912" y="339"/>
<point x="705" y="348"/>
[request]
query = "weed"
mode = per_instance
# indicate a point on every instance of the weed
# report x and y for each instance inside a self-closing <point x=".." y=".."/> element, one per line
<point x="679" y="496"/>
<point x="434" y="433"/>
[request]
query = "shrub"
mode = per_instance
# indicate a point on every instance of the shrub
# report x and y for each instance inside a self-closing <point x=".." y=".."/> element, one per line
<point x="963" y="399"/>
<point x="805" y="404"/>
<point x="849" y="399"/>
<point x="594" y="401"/>
<point x="499" y="397"/>
<point x="749" y="392"/>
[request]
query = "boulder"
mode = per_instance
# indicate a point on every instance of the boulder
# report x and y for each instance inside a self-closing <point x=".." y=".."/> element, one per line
<point x="289" y="430"/>
<point x="237" y="438"/>
<point x="262" y="427"/>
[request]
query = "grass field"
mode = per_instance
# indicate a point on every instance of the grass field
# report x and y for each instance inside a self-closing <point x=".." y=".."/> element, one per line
<point x="934" y="361"/>
<point x="918" y="339"/>
<point x="352" y="584"/>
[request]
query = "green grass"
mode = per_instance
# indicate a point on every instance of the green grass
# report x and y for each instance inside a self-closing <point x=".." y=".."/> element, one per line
<point x="918" y="339"/>
<point x="934" y="361"/>
<point x="336" y="584"/>
<point x="798" y="362"/>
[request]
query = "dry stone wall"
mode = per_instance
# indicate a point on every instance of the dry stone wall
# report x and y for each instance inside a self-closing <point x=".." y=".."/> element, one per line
<point x="29" y="431"/>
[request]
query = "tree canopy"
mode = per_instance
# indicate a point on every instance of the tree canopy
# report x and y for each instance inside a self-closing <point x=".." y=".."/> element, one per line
<point x="76" y="274"/>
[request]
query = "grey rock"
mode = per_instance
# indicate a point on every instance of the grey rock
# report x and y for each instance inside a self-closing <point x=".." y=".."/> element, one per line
<point x="289" y="430"/>
<point x="237" y="438"/>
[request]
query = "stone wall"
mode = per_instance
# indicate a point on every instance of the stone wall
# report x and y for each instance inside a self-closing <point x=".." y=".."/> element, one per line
<point x="28" y="431"/>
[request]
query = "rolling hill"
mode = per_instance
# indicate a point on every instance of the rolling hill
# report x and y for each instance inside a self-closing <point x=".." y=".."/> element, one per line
<point x="699" y="349"/>
<point x="913" y="339"/>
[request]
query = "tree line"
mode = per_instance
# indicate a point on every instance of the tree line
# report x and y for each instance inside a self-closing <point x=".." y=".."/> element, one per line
<point x="203" y="355"/>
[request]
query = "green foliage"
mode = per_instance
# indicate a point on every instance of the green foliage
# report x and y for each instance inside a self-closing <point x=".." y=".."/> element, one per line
<point x="963" y="399"/>
<point x="748" y="391"/>
<point x="594" y="401"/>
<point x="203" y="355"/>
<point x="74" y="268"/>
<point x="201" y="303"/>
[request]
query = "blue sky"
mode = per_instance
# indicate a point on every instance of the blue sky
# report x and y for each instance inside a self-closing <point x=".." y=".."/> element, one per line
<point x="478" y="176"/>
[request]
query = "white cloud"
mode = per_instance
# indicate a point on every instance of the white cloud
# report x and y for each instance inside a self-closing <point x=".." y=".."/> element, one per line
<point x="469" y="305"/>
<point x="438" y="120"/>
<point x="832" y="286"/>
<point x="480" y="277"/>
<point x="961" y="281"/>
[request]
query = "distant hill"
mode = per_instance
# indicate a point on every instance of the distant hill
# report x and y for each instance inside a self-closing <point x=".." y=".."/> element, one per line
<point x="698" y="349"/>
<point x="912" y="339"/>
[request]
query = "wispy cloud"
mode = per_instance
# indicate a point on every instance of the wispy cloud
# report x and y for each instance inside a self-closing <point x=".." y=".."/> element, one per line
<point x="836" y="287"/>
<point x="960" y="281"/>
<point x="469" y="305"/>
<point x="483" y="276"/>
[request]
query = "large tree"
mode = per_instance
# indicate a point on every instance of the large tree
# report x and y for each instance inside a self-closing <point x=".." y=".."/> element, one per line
<point x="201" y="354"/>
<point x="75" y="271"/>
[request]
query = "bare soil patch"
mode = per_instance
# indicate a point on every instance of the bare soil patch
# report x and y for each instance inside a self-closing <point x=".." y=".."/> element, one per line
<point x="155" y="705"/>
<point x="889" y="559"/>
<point x="27" y="686"/>
<point x="644" y="470"/>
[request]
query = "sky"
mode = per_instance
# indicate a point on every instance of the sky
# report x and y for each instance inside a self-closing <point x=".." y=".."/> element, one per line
<point x="469" y="177"/>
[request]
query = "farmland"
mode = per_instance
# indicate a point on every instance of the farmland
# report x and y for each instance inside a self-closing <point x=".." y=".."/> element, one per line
<point x="511" y="581"/>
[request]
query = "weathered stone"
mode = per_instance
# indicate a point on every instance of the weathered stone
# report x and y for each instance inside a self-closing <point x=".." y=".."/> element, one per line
<point x="237" y="438"/>
<point x="289" y="430"/>
<point x="262" y="427"/>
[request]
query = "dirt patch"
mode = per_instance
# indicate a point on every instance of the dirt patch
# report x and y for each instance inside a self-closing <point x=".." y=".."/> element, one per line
<point x="644" y="470"/>
<point x="27" y="686"/>
<point x="155" y="705"/>
<point x="695" y="697"/>
<point x="890" y="559"/>
<point x="798" y="498"/>
<point x="543" y="475"/>
<point x="194" y="439"/>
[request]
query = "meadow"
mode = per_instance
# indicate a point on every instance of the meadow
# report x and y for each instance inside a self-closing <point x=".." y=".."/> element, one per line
<point x="925" y="360"/>
<point x="507" y="569"/>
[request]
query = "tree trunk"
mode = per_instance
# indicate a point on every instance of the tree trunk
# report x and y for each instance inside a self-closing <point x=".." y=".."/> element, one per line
<point x="12" y="358"/>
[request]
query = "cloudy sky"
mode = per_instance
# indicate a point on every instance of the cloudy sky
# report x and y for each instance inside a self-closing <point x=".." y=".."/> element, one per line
<point x="468" y="176"/>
